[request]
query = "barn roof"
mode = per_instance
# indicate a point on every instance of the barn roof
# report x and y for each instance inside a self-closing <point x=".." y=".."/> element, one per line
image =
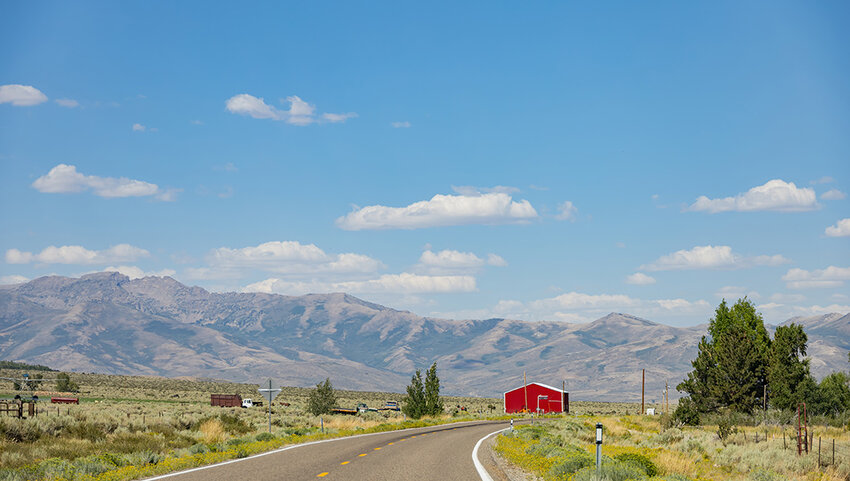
<point x="539" y="384"/>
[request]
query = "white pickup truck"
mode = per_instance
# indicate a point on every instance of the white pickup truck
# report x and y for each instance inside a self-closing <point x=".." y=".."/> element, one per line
<point x="247" y="403"/>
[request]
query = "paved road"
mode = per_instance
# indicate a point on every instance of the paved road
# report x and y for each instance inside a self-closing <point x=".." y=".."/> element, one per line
<point x="437" y="452"/>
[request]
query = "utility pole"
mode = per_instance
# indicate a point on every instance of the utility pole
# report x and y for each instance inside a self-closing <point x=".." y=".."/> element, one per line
<point x="666" y="398"/>
<point x="642" y="387"/>
<point x="525" y="389"/>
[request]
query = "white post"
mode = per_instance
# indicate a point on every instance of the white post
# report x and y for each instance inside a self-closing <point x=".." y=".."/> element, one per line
<point x="598" y="448"/>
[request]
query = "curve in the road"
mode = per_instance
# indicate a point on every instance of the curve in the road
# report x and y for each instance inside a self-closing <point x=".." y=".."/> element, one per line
<point x="410" y="454"/>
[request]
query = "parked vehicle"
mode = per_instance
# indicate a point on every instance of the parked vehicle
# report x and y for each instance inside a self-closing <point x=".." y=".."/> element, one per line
<point x="390" y="406"/>
<point x="247" y="403"/>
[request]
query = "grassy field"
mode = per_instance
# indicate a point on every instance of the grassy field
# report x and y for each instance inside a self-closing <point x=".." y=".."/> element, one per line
<point x="640" y="447"/>
<point x="127" y="427"/>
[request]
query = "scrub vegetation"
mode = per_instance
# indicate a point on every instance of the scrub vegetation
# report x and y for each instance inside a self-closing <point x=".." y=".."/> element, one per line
<point x="652" y="448"/>
<point x="128" y="427"/>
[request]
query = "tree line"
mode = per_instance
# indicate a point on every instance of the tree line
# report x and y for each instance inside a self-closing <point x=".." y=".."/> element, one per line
<point x="423" y="398"/>
<point x="740" y="368"/>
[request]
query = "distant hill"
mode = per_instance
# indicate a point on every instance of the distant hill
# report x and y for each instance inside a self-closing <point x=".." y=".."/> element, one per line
<point x="108" y="323"/>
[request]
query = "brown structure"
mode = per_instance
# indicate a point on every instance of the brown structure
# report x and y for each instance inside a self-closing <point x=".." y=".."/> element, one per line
<point x="65" y="400"/>
<point x="226" y="400"/>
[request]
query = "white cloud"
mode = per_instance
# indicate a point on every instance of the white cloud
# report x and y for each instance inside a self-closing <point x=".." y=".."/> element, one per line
<point x="450" y="261"/>
<point x="823" y="180"/>
<point x="300" y="112"/>
<point x="733" y="293"/>
<point x="833" y="194"/>
<point x="832" y="276"/>
<point x="711" y="257"/>
<point x="441" y="210"/>
<point x="134" y="272"/>
<point x="781" y="312"/>
<point x="840" y="229"/>
<point x="581" y="307"/>
<point x="785" y="298"/>
<point x="245" y="104"/>
<point x="13" y="279"/>
<point x="139" y="128"/>
<point x="69" y="103"/>
<point x="401" y="125"/>
<point x="292" y="258"/>
<point x="775" y="195"/>
<point x="640" y="279"/>
<point x="77" y="255"/>
<point x="567" y="211"/>
<point x="64" y="179"/>
<point x="337" y="118"/>
<point x="404" y="283"/>
<point x="21" y="95"/>
<point x="473" y="191"/>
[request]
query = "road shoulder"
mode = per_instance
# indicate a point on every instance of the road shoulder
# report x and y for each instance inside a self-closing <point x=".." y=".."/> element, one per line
<point x="498" y="467"/>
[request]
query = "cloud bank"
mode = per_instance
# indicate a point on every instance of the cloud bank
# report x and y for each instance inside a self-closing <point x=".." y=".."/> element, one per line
<point x="711" y="257"/>
<point x="441" y="210"/>
<point x="77" y="255"/>
<point x="775" y="195"/>
<point x="64" y="179"/>
<point x="299" y="112"/>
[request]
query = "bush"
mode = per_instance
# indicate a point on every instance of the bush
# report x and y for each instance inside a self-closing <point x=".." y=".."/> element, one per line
<point x="264" y="437"/>
<point x="611" y="470"/>
<point x="322" y="399"/>
<point x="639" y="460"/>
<point x="725" y="428"/>
<point x="686" y="412"/>
<point x="572" y="463"/>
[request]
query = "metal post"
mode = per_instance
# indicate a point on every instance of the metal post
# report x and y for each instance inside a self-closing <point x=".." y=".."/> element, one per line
<point x="270" y="407"/>
<point x="642" y="386"/>
<point x="818" y="451"/>
<point x="598" y="448"/>
<point x="322" y="420"/>
<point x="833" y="441"/>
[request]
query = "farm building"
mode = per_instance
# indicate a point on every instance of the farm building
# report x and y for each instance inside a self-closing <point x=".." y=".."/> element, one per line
<point x="552" y="400"/>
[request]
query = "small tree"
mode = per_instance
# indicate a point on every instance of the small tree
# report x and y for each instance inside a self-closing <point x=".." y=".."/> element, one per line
<point x="65" y="384"/>
<point x="414" y="402"/>
<point x="322" y="399"/>
<point x="433" y="403"/>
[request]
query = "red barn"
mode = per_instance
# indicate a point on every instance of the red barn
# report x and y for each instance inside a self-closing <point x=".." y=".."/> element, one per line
<point x="552" y="400"/>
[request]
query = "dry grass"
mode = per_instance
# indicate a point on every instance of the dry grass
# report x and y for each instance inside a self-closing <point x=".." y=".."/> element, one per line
<point x="212" y="431"/>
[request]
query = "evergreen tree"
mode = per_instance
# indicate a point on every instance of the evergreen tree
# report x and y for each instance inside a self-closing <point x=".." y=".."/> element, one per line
<point x="414" y="402"/>
<point x="433" y="402"/>
<point x="322" y="399"/>
<point x="787" y="370"/>
<point x="731" y="365"/>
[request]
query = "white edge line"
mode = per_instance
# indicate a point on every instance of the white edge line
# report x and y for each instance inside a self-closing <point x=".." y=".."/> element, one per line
<point x="485" y="476"/>
<point x="293" y="446"/>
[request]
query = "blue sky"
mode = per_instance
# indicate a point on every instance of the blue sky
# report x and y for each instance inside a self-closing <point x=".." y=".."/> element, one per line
<point x="546" y="161"/>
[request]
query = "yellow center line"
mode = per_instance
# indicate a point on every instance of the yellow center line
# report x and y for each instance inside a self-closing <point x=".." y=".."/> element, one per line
<point x="344" y="463"/>
<point x="361" y="455"/>
<point x="376" y="449"/>
<point x="390" y="444"/>
<point x="322" y="475"/>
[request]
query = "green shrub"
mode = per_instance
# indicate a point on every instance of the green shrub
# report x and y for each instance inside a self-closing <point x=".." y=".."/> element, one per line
<point x="572" y="463"/>
<point x="725" y="428"/>
<point x="639" y="460"/>
<point x="611" y="470"/>
<point x="760" y="474"/>
<point x="264" y="437"/>
<point x="687" y="413"/>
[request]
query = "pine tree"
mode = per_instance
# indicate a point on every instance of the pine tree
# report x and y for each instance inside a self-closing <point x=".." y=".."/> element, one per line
<point x="433" y="403"/>
<point x="731" y="365"/>
<point x="322" y="399"/>
<point x="414" y="403"/>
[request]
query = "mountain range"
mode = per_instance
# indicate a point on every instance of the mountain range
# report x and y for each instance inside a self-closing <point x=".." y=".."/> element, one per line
<point x="108" y="323"/>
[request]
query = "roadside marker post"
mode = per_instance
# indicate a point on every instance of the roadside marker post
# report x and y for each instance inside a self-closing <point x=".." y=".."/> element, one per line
<point x="598" y="448"/>
<point x="269" y="393"/>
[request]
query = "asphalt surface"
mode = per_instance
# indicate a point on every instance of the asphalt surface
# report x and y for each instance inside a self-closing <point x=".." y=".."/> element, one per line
<point x="437" y="452"/>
